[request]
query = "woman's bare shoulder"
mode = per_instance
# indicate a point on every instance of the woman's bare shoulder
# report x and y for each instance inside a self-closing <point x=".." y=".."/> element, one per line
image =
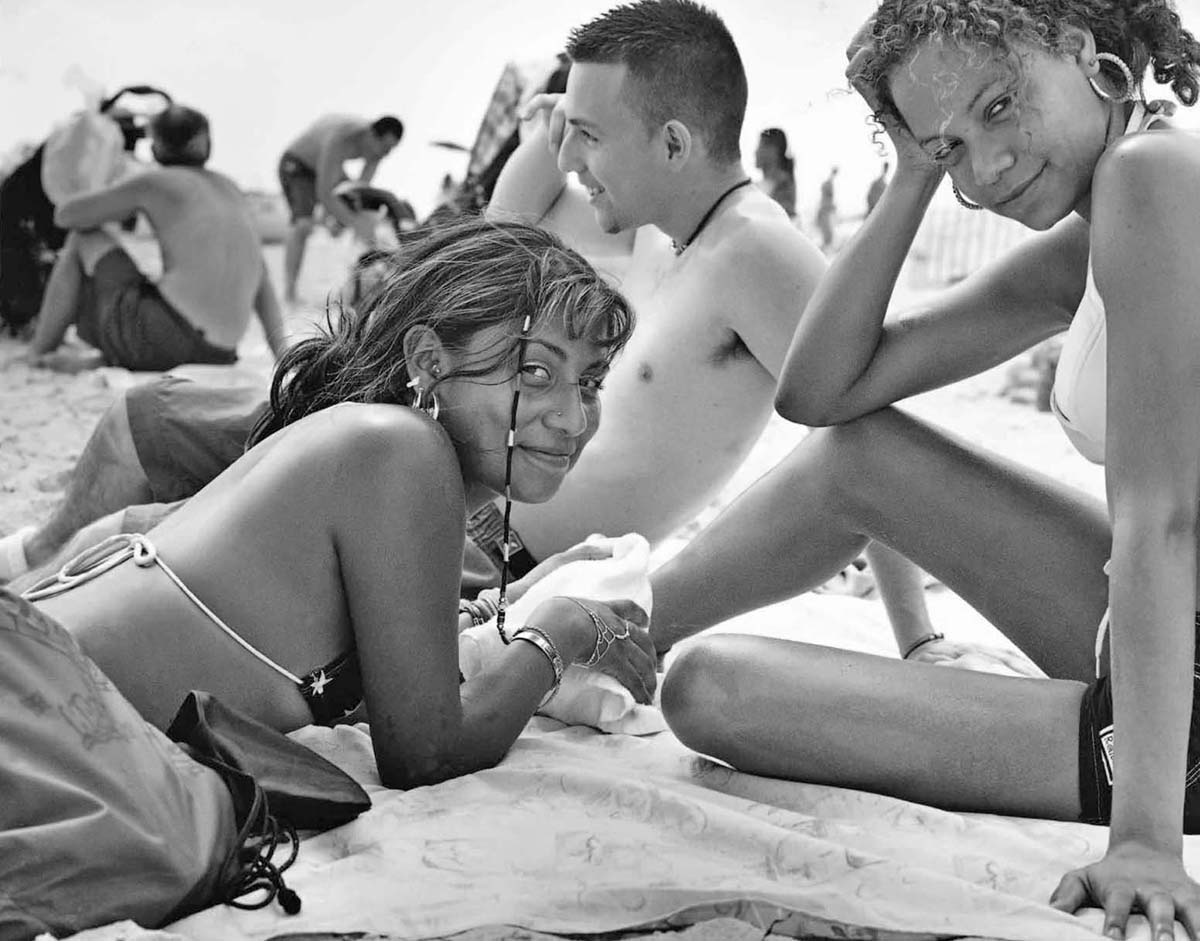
<point x="356" y="435"/>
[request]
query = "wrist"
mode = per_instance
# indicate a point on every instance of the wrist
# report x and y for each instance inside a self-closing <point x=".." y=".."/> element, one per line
<point x="923" y="180"/>
<point x="569" y="628"/>
<point x="1158" y="836"/>
<point x="919" y="643"/>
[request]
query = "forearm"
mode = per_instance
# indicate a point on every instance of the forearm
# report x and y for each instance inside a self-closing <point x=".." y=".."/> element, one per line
<point x="530" y="182"/>
<point x="266" y="307"/>
<point x="841" y="326"/>
<point x="498" y="702"/>
<point x="902" y="588"/>
<point x="1152" y="647"/>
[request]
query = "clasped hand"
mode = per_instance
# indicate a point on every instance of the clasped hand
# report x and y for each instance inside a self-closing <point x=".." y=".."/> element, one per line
<point x="623" y="645"/>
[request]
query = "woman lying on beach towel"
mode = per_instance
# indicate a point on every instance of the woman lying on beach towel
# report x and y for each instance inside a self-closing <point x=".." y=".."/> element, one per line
<point x="1034" y="109"/>
<point x="322" y="569"/>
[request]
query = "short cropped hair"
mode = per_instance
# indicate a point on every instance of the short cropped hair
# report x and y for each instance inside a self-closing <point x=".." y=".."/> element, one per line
<point x="388" y="125"/>
<point x="683" y="63"/>
<point x="174" y="130"/>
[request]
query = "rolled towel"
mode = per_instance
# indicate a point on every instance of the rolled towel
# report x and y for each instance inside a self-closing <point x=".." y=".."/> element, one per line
<point x="586" y="697"/>
<point x="12" y="554"/>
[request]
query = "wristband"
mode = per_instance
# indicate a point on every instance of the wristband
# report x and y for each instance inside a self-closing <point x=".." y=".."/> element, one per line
<point x="921" y="642"/>
<point x="539" y="639"/>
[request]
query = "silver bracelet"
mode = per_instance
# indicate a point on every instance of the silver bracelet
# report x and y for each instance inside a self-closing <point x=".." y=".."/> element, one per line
<point x="541" y="640"/>
<point x="921" y="642"/>
<point x="605" y="635"/>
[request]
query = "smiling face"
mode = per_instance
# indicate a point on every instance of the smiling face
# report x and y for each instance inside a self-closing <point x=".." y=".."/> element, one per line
<point x="558" y="413"/>
<point x="1020" y="133"/>
<point x="608" y="147"/>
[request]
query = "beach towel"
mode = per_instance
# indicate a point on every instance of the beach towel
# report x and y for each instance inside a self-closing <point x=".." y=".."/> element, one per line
<point x="581" y="832"/>
<point x="586" y="697"/>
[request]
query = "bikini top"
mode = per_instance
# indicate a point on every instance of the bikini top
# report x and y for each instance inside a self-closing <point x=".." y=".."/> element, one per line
<point x="1079" y="397"/>
<point x="332" y="692"/>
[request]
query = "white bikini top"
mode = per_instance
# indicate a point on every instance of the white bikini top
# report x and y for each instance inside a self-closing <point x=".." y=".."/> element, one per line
<point x="1079" y="397"/>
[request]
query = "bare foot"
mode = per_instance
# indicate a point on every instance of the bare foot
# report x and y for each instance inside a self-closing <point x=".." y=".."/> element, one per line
<point x="69" y="361"/>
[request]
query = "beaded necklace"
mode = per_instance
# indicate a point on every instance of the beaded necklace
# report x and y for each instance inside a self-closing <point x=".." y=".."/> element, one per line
<point x="502" y="601"/>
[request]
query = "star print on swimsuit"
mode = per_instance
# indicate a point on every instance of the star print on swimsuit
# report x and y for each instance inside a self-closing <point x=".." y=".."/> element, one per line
<point x="319" y="682"/>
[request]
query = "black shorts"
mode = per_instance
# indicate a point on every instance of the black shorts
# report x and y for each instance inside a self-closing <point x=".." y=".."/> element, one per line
<point x="1096" y="752"/>
<point x="122" y="314"/>
<point x="299" y="183"/>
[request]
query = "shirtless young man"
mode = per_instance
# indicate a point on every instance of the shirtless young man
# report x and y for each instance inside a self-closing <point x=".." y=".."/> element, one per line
<point x="651" y="128"/>
<point x="213" y="270"/>
<point x="311" y="169"/>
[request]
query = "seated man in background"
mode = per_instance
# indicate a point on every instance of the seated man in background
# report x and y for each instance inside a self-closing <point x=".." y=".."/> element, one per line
<point x="311" y="169"/>
<point x="213" y="269"/>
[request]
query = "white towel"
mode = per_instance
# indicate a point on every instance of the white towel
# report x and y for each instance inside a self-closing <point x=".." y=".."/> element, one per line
<point x="586" y="697"/>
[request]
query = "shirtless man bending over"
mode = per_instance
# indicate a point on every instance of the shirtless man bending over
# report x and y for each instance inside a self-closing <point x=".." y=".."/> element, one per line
<point x="213" y="270"/>
<point x="311" y="169"/>
<point x="650" y="124"/>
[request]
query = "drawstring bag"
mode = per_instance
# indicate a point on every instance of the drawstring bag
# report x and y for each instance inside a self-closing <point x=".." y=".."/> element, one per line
<point x="302" y="788"/>
<point x="103" y="818"/>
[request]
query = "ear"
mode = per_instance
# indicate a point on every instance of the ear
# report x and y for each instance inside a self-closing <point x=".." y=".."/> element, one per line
<point x="679" y="143"/>
<point x="425" y="357"/>
<point x="1082" y="44"/>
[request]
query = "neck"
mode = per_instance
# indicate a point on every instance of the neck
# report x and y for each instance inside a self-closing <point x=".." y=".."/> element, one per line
<point x="476" y="494"/>
<point x="1118" y="120"/>
<point x="695" y="198"/>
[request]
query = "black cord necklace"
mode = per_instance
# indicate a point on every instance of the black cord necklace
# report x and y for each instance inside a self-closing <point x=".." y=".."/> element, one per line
<point x="680" y="246"/>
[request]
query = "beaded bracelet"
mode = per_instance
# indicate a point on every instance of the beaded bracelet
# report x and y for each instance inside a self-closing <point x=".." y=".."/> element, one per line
<point x="541" y="640"/>
<point x="921" y="642"/>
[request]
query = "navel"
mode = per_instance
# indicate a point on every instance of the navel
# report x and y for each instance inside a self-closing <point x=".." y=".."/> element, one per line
<point x="646" y="373"/>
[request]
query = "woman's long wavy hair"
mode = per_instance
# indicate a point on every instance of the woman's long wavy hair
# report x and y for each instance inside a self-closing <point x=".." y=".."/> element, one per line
<point x="458" y="278"/>
<point x="1144" y="33"/>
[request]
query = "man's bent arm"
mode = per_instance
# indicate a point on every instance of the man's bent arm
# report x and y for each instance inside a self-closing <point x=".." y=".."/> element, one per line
<point x="111" y="204"/>
<point x="266" y="307"/>
<point x="368" y="171"/>
<point x="530" y="183"/>
<point x="329" y="175"/>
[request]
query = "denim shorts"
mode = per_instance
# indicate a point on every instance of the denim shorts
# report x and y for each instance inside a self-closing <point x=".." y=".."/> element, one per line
<point x="1096" y="752"/>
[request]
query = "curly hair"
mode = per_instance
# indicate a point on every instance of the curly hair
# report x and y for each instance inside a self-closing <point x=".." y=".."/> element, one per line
<point x="1145" y="33"/>
<point x="457" y="278"/>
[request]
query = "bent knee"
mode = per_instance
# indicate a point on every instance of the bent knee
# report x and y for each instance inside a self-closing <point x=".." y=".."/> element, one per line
<point x="702" y="694"/>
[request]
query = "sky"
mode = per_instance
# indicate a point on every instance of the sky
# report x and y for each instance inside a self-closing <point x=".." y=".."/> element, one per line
<point x="263" y="69"/>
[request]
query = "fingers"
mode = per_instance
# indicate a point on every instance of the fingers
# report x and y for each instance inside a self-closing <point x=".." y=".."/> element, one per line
<point x="541" y="103"/>
<point x="1188" y="915"/>
<point x="1160" y="912"/>
<point x="628" y="610"/>
<point x="548" y="105"/>
<point x="1071" y="894"/>
<point x="1118" y="903"/>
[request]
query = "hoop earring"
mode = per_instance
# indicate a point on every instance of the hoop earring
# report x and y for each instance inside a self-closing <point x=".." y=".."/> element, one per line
<point x="962" y="200"/>
<point x="1132" y="90"/>
<point x="432" y="407"/>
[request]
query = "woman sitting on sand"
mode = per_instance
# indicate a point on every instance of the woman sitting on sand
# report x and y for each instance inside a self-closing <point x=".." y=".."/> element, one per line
<point x="322" y="569"/>
<point x="1034" y="109"/>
